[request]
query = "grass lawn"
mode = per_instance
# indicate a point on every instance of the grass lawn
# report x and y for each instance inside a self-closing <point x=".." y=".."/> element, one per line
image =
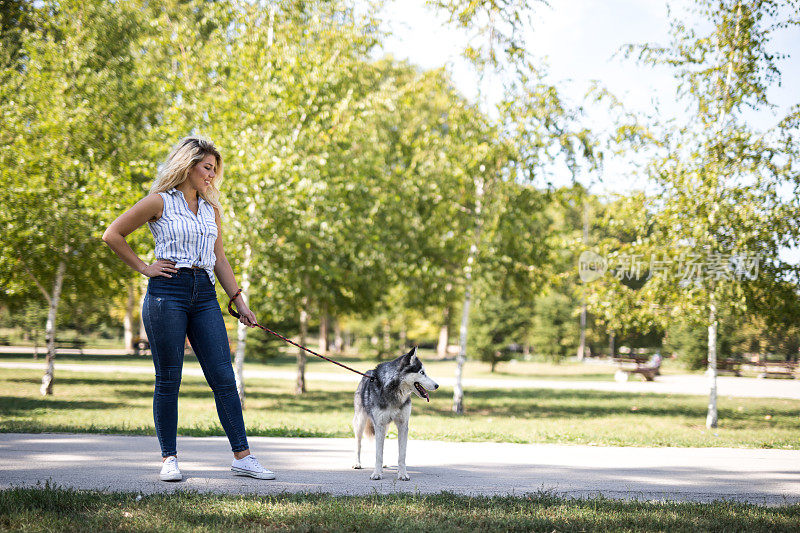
<point x="596" y="371"/>
<point x="122" y="403"/>
<point x="49" y="509"/>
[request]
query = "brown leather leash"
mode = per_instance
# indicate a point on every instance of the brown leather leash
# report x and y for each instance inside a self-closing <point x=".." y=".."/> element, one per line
<point x="237" y="315"/>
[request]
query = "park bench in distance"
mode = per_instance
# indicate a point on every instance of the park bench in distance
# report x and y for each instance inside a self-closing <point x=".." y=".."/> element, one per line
<point x="730" y="364"/>
<point x="141" y="346"/>
<point x="638" y="363"/>
<point x="777" y="369"/>
<point x="76" y="344"/>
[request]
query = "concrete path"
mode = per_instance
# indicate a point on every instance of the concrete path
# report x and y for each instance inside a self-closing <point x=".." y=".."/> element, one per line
<point x="42" y="351"/>
<point x="729" y="386"/>
<point x="129" y="463"/>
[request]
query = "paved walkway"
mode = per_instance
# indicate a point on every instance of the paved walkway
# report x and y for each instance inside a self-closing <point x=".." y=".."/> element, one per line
<point x="670" y="384"/>
<point x="129" y="463"/>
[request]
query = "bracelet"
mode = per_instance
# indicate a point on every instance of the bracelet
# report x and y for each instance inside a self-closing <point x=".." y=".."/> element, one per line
<point x="230" y="304"/>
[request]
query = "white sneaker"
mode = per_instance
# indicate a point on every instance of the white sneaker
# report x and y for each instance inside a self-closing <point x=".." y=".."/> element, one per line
<point x="169" y="470"/>
<point x="249" y="466"/>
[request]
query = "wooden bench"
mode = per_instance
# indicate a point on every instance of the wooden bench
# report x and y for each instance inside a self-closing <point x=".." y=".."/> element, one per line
<point x="731" y="365"/>
<point x="141" y="346"/>
<point x="76" y="344"/>
<point x="777" y="369"/>
<point x="638" y="357"/>
<point x="646" y="367"/>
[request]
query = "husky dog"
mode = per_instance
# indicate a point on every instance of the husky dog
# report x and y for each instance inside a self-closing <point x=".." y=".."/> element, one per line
<point x="385" y="397"/>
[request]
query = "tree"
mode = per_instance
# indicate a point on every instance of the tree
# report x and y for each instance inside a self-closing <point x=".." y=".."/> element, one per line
<point x="535" y="128"/>
<point x="292" y="107"/>
<point x="621" y="300"/>
<point x="432" y="136"/>
<point x="497" y="325"/>
<point x="512" y="271"/>
<point x="74" y="109"/>
<point x="719" y="170"/>
<point x="688" y="341"/>
<point x="15" y="19"/>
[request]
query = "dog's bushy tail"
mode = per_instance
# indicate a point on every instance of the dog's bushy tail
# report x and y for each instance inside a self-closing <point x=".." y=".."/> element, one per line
<point x="369" y="429"/>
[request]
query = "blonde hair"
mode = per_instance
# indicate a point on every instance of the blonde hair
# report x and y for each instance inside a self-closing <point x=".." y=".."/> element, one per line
<point x="187" y="153"/>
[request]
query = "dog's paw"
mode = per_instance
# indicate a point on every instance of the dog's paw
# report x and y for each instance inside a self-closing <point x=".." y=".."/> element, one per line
<point x="402" y="477"/>
<point x="357" y="466"/>
<point x="375" y="476"/>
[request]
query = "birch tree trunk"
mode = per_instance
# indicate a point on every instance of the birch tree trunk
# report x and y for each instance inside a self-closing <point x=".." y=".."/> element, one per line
<point x="403" y="338"/>
<point x="338" y="340"/>
<point x="582" y="344"/>
<point x="323" y="329"/>
<point x="300" y="387"/>
<point x="612" y="350"/>
<point x="444" y="333"/>
<point x="50" y="329"/>
<point x="723" y="95"/>
<point x="711" y="418"/>
<point x="458" y="389"/>
<point x="386" y="349"/>
<point x="241" y="329"/>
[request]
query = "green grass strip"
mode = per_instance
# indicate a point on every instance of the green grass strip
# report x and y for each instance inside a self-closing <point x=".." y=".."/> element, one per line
<point x="118" y="403"/>
<point x="57" y="509"/>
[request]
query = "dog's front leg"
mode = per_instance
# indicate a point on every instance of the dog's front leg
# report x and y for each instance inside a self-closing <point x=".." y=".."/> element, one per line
<point x="359" y="423"/>
<point x="402" y="441"/>
<point x="380" y="437"/>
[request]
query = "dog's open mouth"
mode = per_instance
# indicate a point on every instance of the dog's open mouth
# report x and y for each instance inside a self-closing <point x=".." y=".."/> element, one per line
<point x="421" y="391"/>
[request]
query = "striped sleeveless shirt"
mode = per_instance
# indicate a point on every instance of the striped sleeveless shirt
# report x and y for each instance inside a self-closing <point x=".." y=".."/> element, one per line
<point x="184" y="237"/>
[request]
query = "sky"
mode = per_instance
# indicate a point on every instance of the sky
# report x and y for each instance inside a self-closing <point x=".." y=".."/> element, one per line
<point x="578" y="40"/>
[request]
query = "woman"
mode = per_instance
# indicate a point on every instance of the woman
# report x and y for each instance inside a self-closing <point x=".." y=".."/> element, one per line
<point x="183" y="213"/>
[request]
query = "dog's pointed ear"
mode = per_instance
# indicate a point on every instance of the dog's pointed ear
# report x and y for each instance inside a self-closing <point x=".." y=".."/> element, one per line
<point x="411" y="354"/>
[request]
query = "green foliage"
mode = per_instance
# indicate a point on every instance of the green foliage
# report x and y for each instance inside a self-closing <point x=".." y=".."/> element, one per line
<point x="689" y="342"/>
<point x="352" y="184"/>
<point x="622" y="299"/>
<point x="555" y="331"/>
<point x="498" y="323"/>
<point x="717" y="182"/>
<point x="717" y="168"/>
<point x="263" y="346"/>
<point x="15" y="18"/>
<point x="74" y="112"/>
<point x="499" y="28"/>
<point x="769" y="341"/>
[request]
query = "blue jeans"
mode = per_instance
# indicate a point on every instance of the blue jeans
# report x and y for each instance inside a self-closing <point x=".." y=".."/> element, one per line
<point x="174" y="308"/>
